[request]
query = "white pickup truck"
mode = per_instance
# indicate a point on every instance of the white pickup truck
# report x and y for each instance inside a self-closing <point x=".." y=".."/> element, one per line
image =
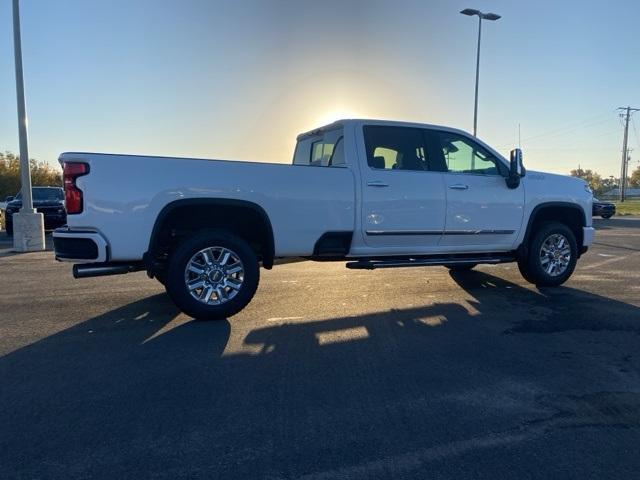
<point x="375" y="194"/>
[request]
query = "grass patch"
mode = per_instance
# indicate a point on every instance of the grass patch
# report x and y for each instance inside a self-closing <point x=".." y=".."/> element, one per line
<point x="628" y="207"/>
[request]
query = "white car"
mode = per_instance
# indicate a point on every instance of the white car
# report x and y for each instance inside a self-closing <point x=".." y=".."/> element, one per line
<point x="375" y="194"/>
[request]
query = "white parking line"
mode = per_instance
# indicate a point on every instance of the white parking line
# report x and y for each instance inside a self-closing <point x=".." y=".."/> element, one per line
<point x="279" y="319"/>
<point x="610" y="261"/>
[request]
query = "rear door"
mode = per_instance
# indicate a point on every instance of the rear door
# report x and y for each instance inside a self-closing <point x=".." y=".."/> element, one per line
<point x="403" y="197"/>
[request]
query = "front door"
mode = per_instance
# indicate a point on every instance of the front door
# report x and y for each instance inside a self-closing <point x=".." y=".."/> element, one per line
<point x="482" y="212"/>
<point x="403" y="196"/>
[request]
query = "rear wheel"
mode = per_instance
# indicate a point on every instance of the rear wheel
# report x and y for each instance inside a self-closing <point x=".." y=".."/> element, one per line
<point x="213" y="275"/>
<point x="552" y="256"/>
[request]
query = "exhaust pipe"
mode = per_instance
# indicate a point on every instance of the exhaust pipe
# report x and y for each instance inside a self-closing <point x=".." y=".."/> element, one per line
<point x="84" y="270"/>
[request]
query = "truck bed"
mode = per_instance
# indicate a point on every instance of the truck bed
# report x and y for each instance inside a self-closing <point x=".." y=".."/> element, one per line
<point x="125" y="193"/>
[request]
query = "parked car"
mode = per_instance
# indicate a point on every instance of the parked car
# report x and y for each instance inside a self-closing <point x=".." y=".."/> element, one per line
<point x="47" y="200"/>
<point x="375" y="194"/>
<point x="603" y="209"/>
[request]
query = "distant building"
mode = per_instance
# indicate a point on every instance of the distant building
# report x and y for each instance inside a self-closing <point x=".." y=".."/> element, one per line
<point x="629" y="193"/>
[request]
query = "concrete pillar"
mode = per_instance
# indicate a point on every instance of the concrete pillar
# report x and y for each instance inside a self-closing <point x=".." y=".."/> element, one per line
<point x="28" y="231"/>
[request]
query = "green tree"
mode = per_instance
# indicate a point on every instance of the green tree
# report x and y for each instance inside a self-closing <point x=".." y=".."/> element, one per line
<point x="592" y="178"/>
<point x="634" y="180"/>
<point x="608" y="184"/>
<point x="42" y="173"/>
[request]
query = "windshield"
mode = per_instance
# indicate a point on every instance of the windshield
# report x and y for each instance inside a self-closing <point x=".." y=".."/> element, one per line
<point x="44" y="194"/>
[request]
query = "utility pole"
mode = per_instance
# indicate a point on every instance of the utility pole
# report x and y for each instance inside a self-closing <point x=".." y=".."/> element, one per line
<point x="625" y="153"/>
<point x="28" y="225"/>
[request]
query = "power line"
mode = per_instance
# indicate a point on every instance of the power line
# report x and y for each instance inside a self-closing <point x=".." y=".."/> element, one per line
<point x="565" y="129"/>
<point x="590" y="122"/>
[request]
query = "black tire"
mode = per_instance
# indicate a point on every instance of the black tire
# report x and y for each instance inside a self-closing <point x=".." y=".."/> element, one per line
<point x="534" y="271"/>
<point x="523" y="266"/>
<point x="461" y="267"/>
<point x="161" y="277"/>
<point x="606" y="216"/>
<point x="176" y="284"/>
<point x="9" y="228"/>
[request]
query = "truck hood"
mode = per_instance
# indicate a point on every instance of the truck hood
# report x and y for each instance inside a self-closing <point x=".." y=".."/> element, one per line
<point x="542" y="187"/>
<point x="555" y="179"/>
<point x="555" y="176"/>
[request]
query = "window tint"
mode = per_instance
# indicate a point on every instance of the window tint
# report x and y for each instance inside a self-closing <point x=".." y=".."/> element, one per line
<point x="463" y="155"/>
<point x="322" y="150"/>
<point x="396" y="148"/>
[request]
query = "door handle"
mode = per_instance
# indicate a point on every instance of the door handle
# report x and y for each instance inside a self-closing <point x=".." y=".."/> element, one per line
<point x="459" y="186"/>
<point x="377" y="183"/>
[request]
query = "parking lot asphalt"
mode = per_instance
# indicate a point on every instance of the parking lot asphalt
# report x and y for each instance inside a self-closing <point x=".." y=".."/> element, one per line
<point x="327" y="374"/>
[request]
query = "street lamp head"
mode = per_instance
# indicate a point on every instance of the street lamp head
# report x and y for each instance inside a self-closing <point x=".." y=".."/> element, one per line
<point x="490" y="16"/>
<point x="470" y="12"/>
<point x="485" y="16"/>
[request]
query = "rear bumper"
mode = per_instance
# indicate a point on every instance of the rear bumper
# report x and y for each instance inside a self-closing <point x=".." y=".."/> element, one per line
<point x="597" y="211"/>
<point x="80" y="246"/>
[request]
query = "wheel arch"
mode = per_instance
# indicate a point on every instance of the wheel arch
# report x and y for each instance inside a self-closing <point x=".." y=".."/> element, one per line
<point x="243" y="218"/>
<point x="570" y="214"/>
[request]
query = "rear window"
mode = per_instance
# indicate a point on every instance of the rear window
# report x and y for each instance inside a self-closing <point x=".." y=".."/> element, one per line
<point x="398" y="148"/>
<point x="326" y="149"/>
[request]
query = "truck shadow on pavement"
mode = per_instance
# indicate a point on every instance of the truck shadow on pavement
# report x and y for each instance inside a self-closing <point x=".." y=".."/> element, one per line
<point x="369" y="396"/>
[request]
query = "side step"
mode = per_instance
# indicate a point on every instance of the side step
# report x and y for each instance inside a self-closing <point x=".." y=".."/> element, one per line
<point x="84" y="270"/>
<point x="393" y="262"/>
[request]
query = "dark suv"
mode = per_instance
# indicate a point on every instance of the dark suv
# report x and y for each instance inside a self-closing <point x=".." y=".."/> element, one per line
<point x="47" y="200"/>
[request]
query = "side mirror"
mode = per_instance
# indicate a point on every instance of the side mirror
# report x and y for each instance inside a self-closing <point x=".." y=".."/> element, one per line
<point x="8" y="199"/>
<point x="516" y="169"/>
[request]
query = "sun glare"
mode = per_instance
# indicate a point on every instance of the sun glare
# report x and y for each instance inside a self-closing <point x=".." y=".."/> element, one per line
<point x="334" y="115"/>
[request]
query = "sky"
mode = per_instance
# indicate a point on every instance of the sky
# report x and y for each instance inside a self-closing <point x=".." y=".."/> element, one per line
<point x="240" y="79"/>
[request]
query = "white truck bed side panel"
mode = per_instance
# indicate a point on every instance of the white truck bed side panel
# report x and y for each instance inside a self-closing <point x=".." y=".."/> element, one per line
<point x="123" y="195"/>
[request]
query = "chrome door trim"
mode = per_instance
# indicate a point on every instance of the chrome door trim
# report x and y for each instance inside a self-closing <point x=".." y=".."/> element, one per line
<point x="437" y="232"/>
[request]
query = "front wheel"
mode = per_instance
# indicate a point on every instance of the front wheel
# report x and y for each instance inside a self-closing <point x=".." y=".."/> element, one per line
<point x="552" y="256"/>
<point x="212" y="275"/>
<point x="606" y="216"/>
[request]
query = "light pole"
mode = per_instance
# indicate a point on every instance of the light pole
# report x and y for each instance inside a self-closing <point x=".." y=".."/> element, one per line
<point x="28" y="225"/>
<point x="481" y="16"/>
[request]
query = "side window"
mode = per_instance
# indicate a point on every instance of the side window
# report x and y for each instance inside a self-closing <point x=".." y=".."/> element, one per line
<point x="321" y="150"/>
<point x="463" y="155"/>
<point x="395" y="148"/>
<point x="303" y="152"/>
<point x="337" y="157"/>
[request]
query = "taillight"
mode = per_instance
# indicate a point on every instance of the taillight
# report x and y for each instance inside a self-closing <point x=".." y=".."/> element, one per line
<point x="72" y="194"/>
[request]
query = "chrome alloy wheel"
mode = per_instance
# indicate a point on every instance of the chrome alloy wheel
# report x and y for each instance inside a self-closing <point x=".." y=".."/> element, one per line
<point x="214" y="275"/>
<point x="555" y="254"/>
